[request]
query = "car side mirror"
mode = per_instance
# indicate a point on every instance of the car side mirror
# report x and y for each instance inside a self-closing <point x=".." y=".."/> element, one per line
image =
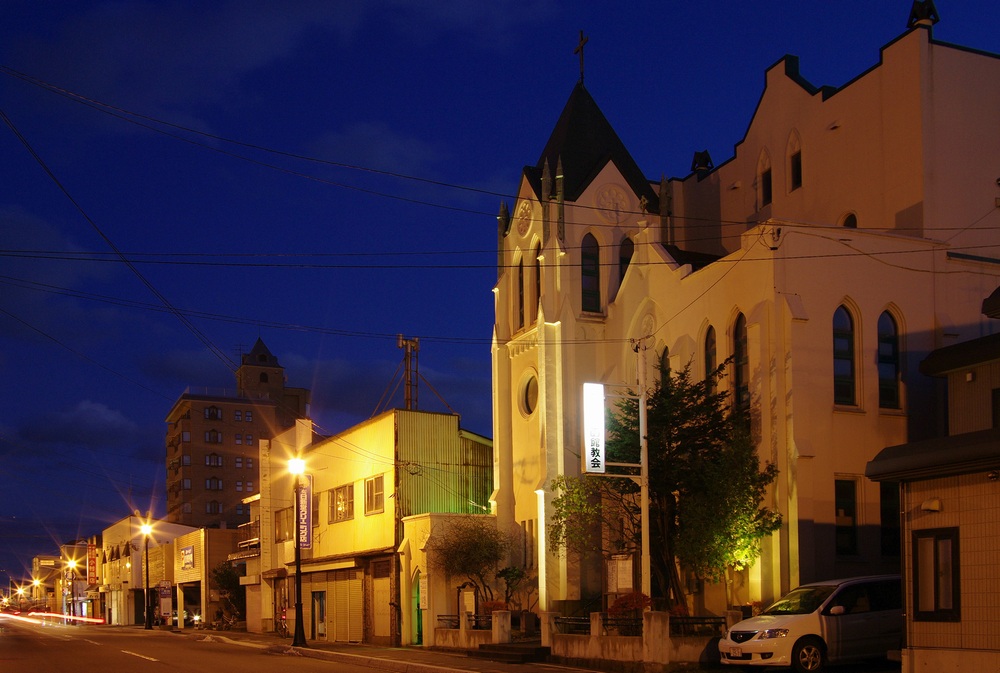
<point x="837" y="610"/>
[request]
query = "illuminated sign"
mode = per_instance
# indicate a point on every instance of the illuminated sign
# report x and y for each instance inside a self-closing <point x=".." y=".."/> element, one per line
<point x="305" y="514"/>
<point x="593" y="428"/>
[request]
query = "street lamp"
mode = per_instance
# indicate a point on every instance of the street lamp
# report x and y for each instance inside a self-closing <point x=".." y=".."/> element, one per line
<point x="296" y="466"/>
<point x="146" y="530"/>
<point x="72" y="587"/>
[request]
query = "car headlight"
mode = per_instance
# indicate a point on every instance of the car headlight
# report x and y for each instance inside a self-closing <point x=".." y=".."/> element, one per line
<point x="773" y="633"/>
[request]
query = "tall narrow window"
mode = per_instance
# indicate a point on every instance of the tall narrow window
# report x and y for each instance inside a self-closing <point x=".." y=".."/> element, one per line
<point x="374" y="495"/>
<point x="795" y="170"/>
<point x="846" y="522"/>
<point x="590" y="274"/>
<point x="538" y="282"/>
<point x="711" y="358"/>
<point x="664" y="364"/>
<point x="625" y="253"/>
<point x="888" y="362"/>
<point x="741" y="365"/>
<point x="520" y="293"/>
<point x="844" y="384"/>
<point x="936" y="586"/>
<point x="764" y="179"/>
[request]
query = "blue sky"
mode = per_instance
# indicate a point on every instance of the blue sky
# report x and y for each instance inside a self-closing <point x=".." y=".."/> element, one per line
<point x="324" y="175"/>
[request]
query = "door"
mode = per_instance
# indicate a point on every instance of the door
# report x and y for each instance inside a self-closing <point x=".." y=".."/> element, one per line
<point x="381" y="598"/>
<point x="319" y="615"/>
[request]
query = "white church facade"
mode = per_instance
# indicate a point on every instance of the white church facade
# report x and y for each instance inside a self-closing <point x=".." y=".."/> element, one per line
<point x="853" y="231"/>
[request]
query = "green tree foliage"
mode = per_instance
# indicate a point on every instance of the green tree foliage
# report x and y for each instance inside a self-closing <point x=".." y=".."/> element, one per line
<point x="706" y="486"/>
<point x="227" y="579"/>
<point x="471" y="548"/>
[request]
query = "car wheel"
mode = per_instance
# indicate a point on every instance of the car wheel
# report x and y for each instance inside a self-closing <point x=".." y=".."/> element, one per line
<point x="808" y="656"/>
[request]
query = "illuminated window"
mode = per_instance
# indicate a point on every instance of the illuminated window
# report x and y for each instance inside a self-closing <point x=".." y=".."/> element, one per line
<point x="888" y="362"/>
<point x="342" y="503"/>
<point x="283" y="519"/>
<point x="374" y="495"/>
<point x="844" y="382"/>
<point x="590" y="275"/>
<point x="936" y="587"/>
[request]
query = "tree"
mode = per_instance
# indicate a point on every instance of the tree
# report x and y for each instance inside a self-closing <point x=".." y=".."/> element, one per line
<point x="471" y="548"/>
<point x="706" y="486"/>
<point x="227" y="579"/>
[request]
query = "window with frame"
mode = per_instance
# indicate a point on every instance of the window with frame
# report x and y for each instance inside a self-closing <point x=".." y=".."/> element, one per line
<point x="283" y="524"/>
<point x="374" y="495"/>
<point x="185" y="435"/>
<point x="239" y="510"/>
<point x="888" y="362"/>
<point x="239" y="486"/>
<point x="238" y="415"/>
<point x="315" y="510"/>
<point x="186" y="459"/>
<point x="846" y="521"/>
<point x="249" y="487"/>
<point x="186" y="508"/>
<point x="213" y="437"/>
<point x="249" y="463"/>
<point x="936" y="587"/>
<point x="342" y="503"/>
<point x="538" y="282"/>
<point x="213" y="460"/>
<point x="764" y="185"/>
<point x="249" y="439"/>
<point x="249" y="416"/>
<point x="239" y="461"/>
<point x="239" y="438"/>
<point x="186" y="484"/>
<point x="213" y="413"/>
<point x="213" y="507"/>
<point x="844" y="378"/>
<point x="795" y="170"/>
<point x="213" y="484"/>
<point x="590" y="275"/>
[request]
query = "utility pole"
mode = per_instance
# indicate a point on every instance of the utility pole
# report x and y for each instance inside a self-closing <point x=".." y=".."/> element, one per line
<point x="411" y="348"/>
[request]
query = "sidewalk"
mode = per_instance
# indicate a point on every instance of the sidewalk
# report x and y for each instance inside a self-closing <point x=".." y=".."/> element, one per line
<point x="394" y="659"/>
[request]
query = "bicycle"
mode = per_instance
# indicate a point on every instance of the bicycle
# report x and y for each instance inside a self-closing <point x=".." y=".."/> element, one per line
<point x="281" y="628"/>
<point x="227" y="622"/>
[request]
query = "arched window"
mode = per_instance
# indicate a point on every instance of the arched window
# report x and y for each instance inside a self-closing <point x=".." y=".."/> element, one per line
<point x="625" y="252"/>
<point x="590" y="274"/>
<point x="844" y="377"/>
<point x="741" y="365"/>
<point x="850" y="221"/>
<point x="664" y="363"/>
<point x="520" y="293"/>
<point x="711" y="359"/>
<point x="888" y="362"/>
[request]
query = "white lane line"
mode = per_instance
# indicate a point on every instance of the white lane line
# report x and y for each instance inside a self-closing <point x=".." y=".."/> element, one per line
<point x="141" y="656"/>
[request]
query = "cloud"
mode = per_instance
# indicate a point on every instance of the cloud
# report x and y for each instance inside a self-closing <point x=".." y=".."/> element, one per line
<point x="89" y="424"/>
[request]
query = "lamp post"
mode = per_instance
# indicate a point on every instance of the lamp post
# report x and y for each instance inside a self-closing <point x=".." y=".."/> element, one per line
<point x="146" y="530"/>
<point x="296" y="466"/>
<point x="72" y="587"/>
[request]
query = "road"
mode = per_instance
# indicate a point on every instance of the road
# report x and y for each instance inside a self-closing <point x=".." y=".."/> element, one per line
<point x="48" y="648"/>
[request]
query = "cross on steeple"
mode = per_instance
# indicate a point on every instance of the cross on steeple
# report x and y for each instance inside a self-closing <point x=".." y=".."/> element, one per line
<point x="579" y="50"/>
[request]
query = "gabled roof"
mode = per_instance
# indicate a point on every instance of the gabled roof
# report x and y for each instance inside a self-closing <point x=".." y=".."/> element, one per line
<point x="260" y="355"/>
<point x="585" y="142"/>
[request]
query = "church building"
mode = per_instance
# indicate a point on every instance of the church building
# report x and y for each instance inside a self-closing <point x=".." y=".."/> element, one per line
<point x="852" y="232"/>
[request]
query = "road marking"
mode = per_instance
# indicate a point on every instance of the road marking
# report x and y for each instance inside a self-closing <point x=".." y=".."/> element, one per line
<point x="141" y="656"/>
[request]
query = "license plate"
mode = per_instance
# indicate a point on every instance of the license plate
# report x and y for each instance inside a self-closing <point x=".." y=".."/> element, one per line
<point x="736" y="652"/>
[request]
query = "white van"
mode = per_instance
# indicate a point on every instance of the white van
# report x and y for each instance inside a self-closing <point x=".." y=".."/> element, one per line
<point x="824" y="622"/>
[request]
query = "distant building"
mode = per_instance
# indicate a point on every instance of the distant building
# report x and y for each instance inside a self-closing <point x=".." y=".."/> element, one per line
<point x="212" y="438"/>
<point x="853" y="232"/>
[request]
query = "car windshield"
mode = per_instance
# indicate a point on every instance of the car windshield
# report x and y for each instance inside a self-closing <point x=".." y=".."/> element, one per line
<point x="801" y="601"/>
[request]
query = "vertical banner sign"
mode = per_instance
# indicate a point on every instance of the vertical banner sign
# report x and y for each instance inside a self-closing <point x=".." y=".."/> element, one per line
<point x="593" y="428"/>
<point x="305" y="513"/>
<point x="91" y="563"/>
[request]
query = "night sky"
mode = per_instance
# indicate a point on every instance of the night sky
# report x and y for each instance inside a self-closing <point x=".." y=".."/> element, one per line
<point x="181" y="178"/>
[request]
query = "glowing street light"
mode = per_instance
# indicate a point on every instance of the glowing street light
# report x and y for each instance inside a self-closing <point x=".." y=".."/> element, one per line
<point x="146" y="531"/>
<point x="71" y="564"/>
<point x="296" y="466"/>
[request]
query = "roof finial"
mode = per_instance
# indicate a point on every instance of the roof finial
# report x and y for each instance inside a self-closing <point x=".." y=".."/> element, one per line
<point x="923" y="13"/>
<point x="579" y="50"/>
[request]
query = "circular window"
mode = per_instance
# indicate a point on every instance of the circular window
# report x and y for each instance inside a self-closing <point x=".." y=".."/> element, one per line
<point x="529" y="395"/>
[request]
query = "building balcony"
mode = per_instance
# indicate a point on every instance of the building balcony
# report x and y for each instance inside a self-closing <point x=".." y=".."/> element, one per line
<point x="249" y="534"/>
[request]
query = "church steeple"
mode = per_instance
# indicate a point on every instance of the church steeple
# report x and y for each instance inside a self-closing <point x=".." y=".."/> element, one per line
<point x="259" y="374"/>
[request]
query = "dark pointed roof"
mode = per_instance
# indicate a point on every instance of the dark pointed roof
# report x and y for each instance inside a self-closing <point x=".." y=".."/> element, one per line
<point x="585" y="142"/>
<point x="260" y="355"/>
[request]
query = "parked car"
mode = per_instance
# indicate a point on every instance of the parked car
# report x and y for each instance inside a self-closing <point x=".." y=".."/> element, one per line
<point x="825" y="622"/>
